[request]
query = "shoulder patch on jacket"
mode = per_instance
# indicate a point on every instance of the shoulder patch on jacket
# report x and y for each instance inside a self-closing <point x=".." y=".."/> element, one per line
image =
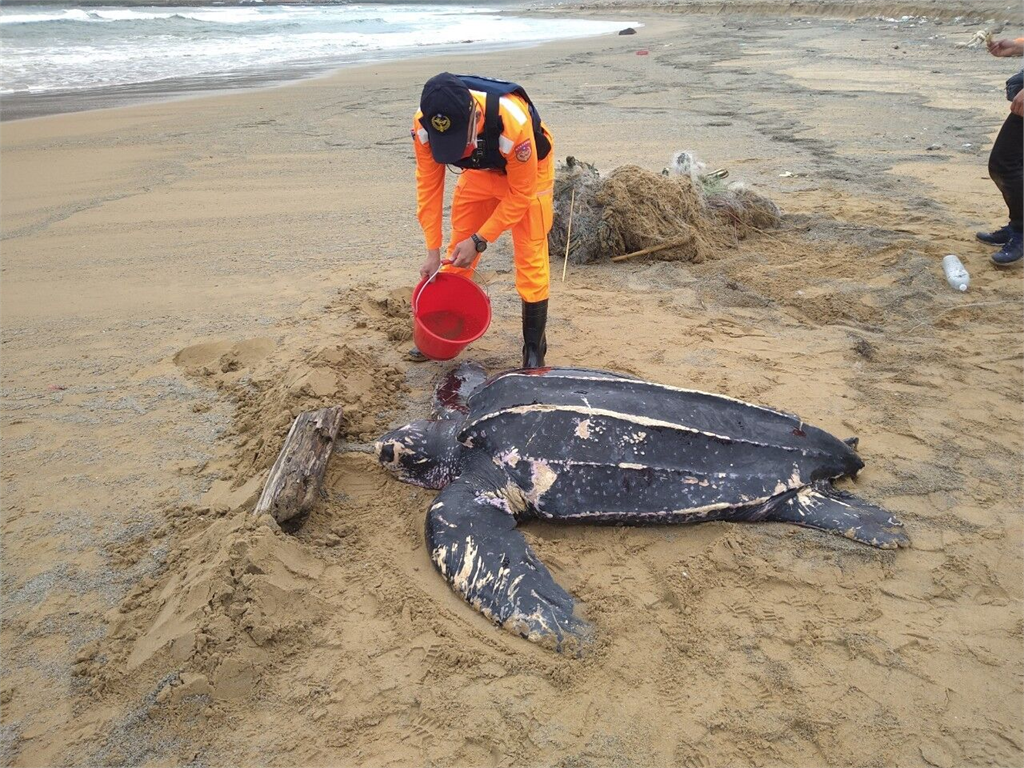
<point x="524" y="151"/>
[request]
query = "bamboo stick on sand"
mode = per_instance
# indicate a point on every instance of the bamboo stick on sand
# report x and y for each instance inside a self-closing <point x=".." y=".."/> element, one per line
<point x="653" y="249"/>
<point x="568" y="234"/>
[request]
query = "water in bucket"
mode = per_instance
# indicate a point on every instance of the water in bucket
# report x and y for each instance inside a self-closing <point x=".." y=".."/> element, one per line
<point x="445" y="323"/>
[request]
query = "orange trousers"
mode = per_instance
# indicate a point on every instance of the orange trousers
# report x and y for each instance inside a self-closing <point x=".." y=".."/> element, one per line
<point x="477" y="194"/>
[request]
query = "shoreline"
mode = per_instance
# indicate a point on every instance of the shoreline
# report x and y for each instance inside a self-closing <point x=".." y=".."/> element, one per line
<point x="21" y="106"/>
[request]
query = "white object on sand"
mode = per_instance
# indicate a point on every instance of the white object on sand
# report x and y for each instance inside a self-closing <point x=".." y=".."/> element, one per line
<point x="981" y="37"/>
<point x="685" y="163"/>
<point x="956" y="273"/>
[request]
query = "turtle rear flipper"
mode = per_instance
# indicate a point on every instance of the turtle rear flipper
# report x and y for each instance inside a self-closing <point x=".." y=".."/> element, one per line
<point x="473" y="542"/>
<point x="821" y="505"/>
<point x="452" y="393"/>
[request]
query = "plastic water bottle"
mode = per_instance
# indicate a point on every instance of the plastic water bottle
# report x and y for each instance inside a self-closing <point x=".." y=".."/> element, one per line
<point x="956" y="273"/>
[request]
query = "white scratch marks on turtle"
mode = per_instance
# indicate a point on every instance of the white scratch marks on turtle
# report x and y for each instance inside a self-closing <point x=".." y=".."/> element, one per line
<point x="508" y="458"/>
<point x="494" y="499"/>
<point x="639" y="420"/>
<point x="440" y="556"/>
<point x="460" y="580"/>
<point x="635" y="438"/>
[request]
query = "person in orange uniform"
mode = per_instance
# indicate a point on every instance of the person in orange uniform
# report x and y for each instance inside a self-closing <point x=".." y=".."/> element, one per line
<point x="490" y="133"/>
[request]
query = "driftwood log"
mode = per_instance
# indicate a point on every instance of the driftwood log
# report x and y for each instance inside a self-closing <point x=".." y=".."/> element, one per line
<point x="295" y="478"/>
<point x="654" y="249"/>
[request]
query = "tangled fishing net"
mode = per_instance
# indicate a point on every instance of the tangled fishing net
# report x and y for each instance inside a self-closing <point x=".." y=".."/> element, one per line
<point x="692" y="212"/>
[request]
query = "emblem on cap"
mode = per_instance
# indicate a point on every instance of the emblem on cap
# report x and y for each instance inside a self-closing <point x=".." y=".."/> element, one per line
<point x="441" y="123"/>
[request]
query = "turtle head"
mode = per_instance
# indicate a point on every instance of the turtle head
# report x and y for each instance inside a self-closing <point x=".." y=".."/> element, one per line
<point x="424" y="453"/>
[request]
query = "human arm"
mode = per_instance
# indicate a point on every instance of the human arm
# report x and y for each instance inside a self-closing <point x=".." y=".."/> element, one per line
<point x="429" y="190"/>
<point x="1005" y="48"/>
<point x="432" y="263"/>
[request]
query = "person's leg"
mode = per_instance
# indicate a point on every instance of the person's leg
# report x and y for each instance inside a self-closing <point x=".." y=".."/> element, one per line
<point x="533" y="267"/>
<point x="472" y="205"/>
<point x="1006" y="167"/>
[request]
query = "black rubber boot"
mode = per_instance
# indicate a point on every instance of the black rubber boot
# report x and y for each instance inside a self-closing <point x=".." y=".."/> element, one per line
<point x="535" y="343"/>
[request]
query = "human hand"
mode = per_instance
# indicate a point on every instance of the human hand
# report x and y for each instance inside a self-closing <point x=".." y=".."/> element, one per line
<point x="432" y="263"/>
<point x="1017" y="105"/>
<point x="1004" y="48"/>
<point x="464" y="254"/>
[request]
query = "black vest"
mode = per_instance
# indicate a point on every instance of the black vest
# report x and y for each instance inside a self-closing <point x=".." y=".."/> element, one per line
<point x="486" y="156"/>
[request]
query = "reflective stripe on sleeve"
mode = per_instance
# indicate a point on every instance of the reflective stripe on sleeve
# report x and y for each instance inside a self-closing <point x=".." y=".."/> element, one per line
<point x="514" y="110"/>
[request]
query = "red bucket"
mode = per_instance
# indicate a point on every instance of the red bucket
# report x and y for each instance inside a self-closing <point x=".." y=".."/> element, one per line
<point x="448" y="314"/>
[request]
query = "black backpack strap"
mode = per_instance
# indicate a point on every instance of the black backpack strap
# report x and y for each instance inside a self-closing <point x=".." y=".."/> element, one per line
<point x="541" y="138"/>
<point x="493" y="127"/>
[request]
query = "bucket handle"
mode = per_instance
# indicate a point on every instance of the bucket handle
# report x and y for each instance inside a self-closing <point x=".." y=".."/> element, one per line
<point x="430" y="279"/>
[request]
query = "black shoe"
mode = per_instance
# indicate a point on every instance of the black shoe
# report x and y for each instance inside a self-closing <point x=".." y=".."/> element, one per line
<point x="1012" y="252"/>
<point x="535" y="343"/>
<point x="999" y="237"/>
<point x="415" y="356"/>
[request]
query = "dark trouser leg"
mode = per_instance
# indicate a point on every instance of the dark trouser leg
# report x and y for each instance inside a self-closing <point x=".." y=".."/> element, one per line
<point x="1006" y="167"/>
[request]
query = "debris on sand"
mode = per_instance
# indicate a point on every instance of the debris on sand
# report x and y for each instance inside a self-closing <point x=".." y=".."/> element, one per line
<point x="683" y="214"/>
<point x="980" y="38"/>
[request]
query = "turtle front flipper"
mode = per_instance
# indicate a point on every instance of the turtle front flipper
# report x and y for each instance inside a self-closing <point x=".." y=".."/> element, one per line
<point x="452" y="392"/>
<point x="821" y="505"/>
<point x="473" y="542"/>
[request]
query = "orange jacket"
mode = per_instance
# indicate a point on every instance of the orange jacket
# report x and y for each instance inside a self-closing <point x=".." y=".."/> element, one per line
<point x="516" y="145"/>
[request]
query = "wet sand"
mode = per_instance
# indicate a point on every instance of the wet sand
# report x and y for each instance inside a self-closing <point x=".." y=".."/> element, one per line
<point x="180" y="279"/>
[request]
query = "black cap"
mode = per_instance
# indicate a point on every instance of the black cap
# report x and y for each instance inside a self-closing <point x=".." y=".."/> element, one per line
<point x="445" y="106"/>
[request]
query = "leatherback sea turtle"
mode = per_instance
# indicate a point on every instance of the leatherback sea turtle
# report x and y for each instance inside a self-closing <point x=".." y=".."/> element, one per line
<point x="587" y="446"/>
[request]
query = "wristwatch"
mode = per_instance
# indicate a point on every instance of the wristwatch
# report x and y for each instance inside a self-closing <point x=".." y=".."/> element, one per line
<point x="481" y="244"/>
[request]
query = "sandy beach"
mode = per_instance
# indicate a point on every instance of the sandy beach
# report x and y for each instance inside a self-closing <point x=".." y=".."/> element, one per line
<point x="180" y="279"/>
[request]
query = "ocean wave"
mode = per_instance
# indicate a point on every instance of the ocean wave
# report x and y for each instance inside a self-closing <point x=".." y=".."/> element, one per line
<point x="76" y="48"/>
<point x="73" y="14"/>
<point x="106" y="16"/>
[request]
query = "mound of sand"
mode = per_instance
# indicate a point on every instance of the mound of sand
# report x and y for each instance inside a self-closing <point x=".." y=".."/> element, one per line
<point x="632" y="209"/>
<point x="231" y="588"/>
<point x="234" y="595"/>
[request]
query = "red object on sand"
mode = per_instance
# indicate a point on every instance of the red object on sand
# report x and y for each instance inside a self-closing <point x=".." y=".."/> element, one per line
<point x="450" y="313"/>
<point x="642" y="52"/>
